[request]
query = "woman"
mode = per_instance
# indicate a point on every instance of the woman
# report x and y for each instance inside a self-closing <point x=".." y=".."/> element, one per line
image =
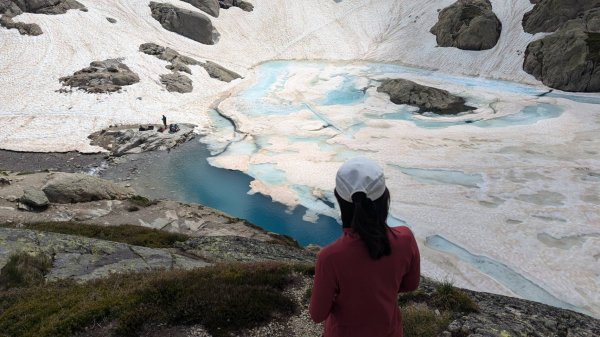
<point x="359" y="276"/>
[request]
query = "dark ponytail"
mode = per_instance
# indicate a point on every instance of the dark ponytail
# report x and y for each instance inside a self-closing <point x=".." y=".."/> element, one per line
<point x="368" y="219"/>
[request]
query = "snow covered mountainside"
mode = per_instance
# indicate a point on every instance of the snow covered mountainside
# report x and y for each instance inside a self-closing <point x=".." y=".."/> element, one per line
<point x="41" y="119"/>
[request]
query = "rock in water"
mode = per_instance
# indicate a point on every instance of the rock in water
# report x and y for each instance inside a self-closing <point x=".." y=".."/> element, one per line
<point x="569" y="59"/>
<point x="102" y="77"/>
<point x="217" y="71"/>
<point x="195" y="26"/>
<point x="67" y="188"/>
<point x="549" y="15"/>
<point x="210" y="7"/>
<point x="468" y="25"/>
<point x="426" y="98"/>
<point x="176" y="82"/>
<point x="34" y="198"/>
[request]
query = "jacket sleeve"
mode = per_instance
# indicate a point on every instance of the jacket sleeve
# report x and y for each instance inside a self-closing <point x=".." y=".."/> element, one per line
<point x="323" y="292"/>
<point x="410" y="281"/>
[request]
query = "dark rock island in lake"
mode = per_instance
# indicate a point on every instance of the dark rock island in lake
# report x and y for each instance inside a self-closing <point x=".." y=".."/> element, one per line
<point x="569" y="59"/>
<point x="427" y="99"/>
<point x="102" y="77"/>
<point x="468" y="25"/>
<point x="192" y="25"/>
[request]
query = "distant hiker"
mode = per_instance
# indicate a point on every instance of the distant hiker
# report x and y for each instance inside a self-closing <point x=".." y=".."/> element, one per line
<point x="359" y="276"/>
<point x="164" y="120"/>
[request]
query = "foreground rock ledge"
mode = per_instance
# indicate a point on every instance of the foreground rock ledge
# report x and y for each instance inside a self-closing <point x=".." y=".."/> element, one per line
<point x="427" y="99"/>
<point x="468" y="25"/>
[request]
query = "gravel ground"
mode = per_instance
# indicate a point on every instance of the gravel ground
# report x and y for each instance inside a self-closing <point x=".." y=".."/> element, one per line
<point x="38" y="161"/>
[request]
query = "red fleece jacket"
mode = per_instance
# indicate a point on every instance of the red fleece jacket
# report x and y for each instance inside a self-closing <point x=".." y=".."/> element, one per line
<point x="355" y="295"/>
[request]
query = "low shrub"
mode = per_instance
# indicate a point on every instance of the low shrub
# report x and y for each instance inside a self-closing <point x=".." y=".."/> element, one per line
<point x="223" y="298"/>
<point x="24" y="270"/>
<point x="448" y="297"/>
<point x="421" y="321"/>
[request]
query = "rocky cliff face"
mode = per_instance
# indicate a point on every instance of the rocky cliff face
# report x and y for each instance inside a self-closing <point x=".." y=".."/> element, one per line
<point x="468" y="25"/>
<point x="569" y="59"/>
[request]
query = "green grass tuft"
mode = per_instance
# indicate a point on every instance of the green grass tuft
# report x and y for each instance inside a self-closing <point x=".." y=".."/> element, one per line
<point x="421" y="321"/>
<point x="133" y="235"/>
<point x="24" y="270"/>
<point x="448" y="297"/>
<point x="224" y="299"/>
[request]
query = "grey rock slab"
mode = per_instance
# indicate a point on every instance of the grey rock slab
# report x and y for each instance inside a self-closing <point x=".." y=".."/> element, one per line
<point x="468" y="25"/>
<point x="77" y="187"/>
<point x="192" y="25"/>
<point x="32" y="29"/>
<point x="219" y="72"/>
<point x="84" y="259"/>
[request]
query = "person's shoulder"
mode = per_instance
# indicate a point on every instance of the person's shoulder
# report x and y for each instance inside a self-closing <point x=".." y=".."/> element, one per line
<point x="332" y="250"/>
<point x="402" y="231"/>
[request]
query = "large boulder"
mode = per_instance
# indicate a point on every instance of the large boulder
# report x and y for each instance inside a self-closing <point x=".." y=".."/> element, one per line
<point x="102" y="77"/>
<point x="9" y="8"/>
<point x="549" y="15"/>
<point x="177" y="82"/>
<point x="208" y="6"/>
<point x="427" y="99"/>
<point x="193" y="25"/>
<point x="569" y="59"/>
<point x="468" y="25"/>
<point x="76" y="187"/>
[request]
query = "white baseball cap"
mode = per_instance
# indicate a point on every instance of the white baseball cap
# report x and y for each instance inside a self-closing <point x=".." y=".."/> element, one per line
<point x="360" y="174"/>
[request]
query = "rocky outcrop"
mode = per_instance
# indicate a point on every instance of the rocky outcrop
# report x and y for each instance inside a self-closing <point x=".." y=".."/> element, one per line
<point x="219" y="72"/>
<point x="569" y="59"/>
<point x="468" y="25"/>
<point x="210" y="7"/>
<point x="121" y="141"/>
<point x="192" y="25"/>
<point x="244" y="5"/>
<point x="111" y="20"/>
<point x="76" y="187"/>
<point x="16" y="7"/>
<point x="176" y="82"/>
<point x="427" y="99"/>
<point x="549" y="15"/>
<point x="240" y="249"/>
<point x="180" y="62"/>
<point x="34" y="198"/>
<point x="79" y="258"/>
<point x="102" y="77"/>
<point x="32" y="29"/>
